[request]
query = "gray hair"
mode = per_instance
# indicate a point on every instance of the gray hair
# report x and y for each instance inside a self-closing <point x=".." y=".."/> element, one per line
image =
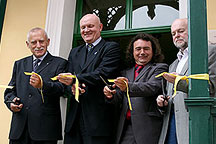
<point x="34" y="30"/>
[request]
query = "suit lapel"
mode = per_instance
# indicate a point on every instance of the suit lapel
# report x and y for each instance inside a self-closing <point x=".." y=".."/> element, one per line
<point x="28" y="64"/>
<point x="93" y="53"/>
<point x="130" y="74"/>
<point x="174" y="66"/>
<point x="81" y="56"/>
<point x="46" y="61"/>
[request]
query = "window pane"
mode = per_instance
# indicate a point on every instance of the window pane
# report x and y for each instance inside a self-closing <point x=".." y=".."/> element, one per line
<point x="154" y="13"/>
<point x="109" y="11"/>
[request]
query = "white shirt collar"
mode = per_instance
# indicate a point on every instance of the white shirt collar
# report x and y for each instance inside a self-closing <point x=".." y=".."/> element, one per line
<point x="180" y="54"/>
<point x="41" y="58"/>
<point x="96" y="42"/>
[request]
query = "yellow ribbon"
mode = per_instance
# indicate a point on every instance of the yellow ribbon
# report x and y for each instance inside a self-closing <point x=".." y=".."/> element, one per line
<point x="4" y="86"/>
<point x="76" y="85"/>
<point x="178" y="78"/>
<point x="128" y="97"/>
<point x="28" y="73"/>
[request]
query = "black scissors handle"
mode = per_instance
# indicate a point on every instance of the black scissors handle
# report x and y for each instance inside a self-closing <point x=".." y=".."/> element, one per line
<point x="163" y="90"/>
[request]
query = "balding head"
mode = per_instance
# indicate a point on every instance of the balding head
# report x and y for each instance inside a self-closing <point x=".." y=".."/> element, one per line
<point x="90" y="28"/>
<point x="179" y="30"/>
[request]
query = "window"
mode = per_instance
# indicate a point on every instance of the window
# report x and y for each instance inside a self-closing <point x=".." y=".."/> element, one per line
<point x="122" y="19"/>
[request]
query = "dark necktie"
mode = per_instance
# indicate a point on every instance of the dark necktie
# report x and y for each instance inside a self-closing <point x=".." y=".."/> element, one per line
<point x="35" y="64"/>
<point x="89" y="47"/>
<point x="138" y="68"/>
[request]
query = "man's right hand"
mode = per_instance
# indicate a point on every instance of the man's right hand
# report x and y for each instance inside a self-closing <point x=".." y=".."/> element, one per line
<point x="65" y="80"/>
<point x="14" y="107"/>
<point x="109" y="93"/>
<point x="161" y="102"/>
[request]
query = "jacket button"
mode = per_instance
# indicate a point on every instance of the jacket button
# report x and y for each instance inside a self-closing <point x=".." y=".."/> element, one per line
<point x="30" y="96"/>
<point x="27" y="108"/>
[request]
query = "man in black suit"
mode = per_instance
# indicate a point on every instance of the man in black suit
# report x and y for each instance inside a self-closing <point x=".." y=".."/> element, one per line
<point x="36" y="116"/>
<point x="91" y="120"/>
<point x="142" y="124"/>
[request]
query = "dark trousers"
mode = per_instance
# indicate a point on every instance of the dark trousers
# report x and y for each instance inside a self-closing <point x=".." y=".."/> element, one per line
<point x="79" y="134"/>
<point x="26" y="139"/>
<point x="127" y="136"/>
<point x="171" y="137"/>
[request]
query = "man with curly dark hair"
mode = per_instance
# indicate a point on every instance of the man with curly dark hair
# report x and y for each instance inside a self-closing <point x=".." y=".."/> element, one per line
<point x="142" y="123"/>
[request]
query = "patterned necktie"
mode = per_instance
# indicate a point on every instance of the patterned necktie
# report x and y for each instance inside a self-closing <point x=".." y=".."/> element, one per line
<point x="35" y="64"/>
<point x="89" y="47"/>
<point x="138" y="68"/>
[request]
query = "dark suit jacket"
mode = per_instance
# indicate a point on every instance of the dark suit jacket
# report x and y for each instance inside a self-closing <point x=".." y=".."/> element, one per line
<point x="43" y="119"/>
<point x="103" y="60"/>
<point x="143" y="91"/>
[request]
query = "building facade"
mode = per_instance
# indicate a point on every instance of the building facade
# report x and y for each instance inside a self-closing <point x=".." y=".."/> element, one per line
<point x="121" y="19"/>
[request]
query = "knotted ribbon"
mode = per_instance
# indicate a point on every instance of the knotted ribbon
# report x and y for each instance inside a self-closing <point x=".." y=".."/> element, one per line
<point x="178" y="78"/>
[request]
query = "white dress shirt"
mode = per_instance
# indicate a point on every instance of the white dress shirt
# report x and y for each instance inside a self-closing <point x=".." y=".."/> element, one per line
<point x="182" y="57"/>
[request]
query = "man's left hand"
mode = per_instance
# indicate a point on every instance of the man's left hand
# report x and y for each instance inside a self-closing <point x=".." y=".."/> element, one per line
<point x="120" y="82"/>
<point x="170" y="78"/>
<point x="35" y="81"/>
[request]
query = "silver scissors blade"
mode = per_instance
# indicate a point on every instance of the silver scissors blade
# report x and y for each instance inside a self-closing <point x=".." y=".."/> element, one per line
<point x="104" y="81"/>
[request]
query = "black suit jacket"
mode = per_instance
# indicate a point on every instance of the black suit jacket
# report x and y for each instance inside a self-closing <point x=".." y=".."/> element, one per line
<point x="103" y="60"/>
<point x="143" y="91"/>
<point x="43" y="119"/>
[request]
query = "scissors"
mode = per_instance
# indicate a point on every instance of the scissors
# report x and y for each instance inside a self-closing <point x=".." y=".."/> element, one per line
<point x="163" y="90"/>
<point x="109" y="86"/>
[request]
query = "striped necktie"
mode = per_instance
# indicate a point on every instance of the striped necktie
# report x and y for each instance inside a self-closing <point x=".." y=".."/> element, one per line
<point x="89" y="47"/>
<point x="35" y="64"/>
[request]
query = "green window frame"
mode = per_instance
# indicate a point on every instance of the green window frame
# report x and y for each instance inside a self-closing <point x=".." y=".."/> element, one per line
<point x="2" y="14"/>
<point x="160" y="32"/>
<point x="124" y="32"/>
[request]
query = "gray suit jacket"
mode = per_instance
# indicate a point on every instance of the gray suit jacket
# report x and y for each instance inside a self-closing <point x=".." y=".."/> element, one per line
<point x="145" y="117"/>
<point x="180" y="109"/>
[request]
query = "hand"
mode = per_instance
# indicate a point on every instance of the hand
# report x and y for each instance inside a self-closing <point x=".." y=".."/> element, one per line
<point x="65" y="80"/>
<point x="35" y="81"/>
<point x="120" y="83"/>
<point x="14" y="107"/>
<point x="81" y="89"/>
<point x="109" y="93"/>
<point x="169" y="77"/>
<point x="161" y="102"/>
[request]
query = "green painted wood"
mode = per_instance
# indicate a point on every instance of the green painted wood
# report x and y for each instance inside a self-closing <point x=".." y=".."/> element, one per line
<point x="200" y="105"/>
<point x="198" y="47"/>
<point x="2" y="13"/>
<point x="127" y="32"/>
<point x="128" y="15"/>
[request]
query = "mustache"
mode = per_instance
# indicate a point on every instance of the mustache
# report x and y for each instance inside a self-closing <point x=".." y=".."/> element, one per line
<point x="37" y="49"/>
<point x="179" y="39"/>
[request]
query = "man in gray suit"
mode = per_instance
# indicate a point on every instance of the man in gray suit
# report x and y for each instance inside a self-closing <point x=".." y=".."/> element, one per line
<point x="142" y="124"/>
<point x="175" y="128"/>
